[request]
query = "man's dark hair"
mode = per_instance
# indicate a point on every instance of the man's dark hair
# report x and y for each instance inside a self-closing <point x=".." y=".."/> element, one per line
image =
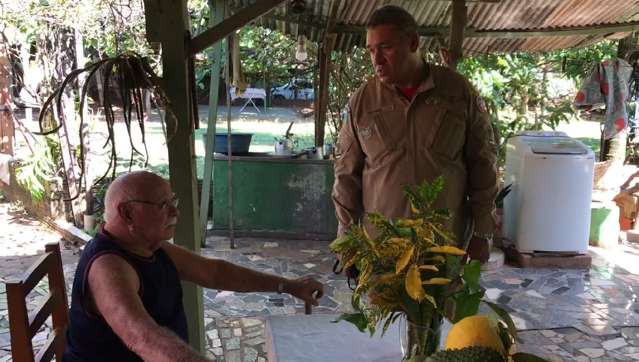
<point x="393" y="15"/>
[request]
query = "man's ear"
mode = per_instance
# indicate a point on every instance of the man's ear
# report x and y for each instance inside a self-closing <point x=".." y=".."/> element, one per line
<point x="125" y="213"/>
<point x="414" y="42"/>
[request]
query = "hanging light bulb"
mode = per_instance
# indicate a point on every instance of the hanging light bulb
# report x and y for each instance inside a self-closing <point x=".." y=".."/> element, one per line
<point x="300" y="52"/>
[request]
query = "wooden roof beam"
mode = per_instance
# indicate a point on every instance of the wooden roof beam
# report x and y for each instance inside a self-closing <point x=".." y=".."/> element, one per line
<point x="459" y="17"/>
<point x="563" y="31"/>
<point x="230" y="24"/>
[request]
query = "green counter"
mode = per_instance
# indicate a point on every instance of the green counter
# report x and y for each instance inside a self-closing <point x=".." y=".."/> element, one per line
<point x="278" y="197"/>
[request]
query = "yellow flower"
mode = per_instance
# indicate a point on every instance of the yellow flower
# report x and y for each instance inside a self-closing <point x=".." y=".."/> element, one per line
<point x="446" y="250"/>
<point x="425" y="234"/>
<point x="429" y="298"/>
<point x="414" y="284"/>
<point x="404" y="260"/>
<point x="410" y="222"/>
<point x="428" y="267"/>
<point x="398" y="241"/>
<point x="413" y="209"/>
<point x="437" y="281"/>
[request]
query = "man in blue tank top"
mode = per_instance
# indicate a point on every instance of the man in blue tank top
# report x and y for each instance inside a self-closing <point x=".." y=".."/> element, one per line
<point x="127" y="299"/>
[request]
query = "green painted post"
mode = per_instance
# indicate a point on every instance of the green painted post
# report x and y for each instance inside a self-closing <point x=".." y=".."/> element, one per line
<point x="168" y="22"/>
<point x="217" y="8"/>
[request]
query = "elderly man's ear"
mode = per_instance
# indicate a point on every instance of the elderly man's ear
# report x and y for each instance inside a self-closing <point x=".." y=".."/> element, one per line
<point x="125" y="213"/>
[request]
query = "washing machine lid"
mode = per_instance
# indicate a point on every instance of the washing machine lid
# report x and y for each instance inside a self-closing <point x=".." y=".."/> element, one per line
<point x="555" y="145"/>
<point x="543" y="134"/>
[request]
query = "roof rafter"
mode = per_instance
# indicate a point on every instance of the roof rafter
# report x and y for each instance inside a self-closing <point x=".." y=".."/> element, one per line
<point x="229" y="25"/>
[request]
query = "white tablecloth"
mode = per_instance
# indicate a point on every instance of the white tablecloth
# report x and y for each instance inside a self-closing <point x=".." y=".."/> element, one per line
<point x="250" y="93"/>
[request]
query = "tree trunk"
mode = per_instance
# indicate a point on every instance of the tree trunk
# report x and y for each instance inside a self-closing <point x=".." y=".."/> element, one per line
<point x="615" y="148"/>
<point x="57" y="57"/>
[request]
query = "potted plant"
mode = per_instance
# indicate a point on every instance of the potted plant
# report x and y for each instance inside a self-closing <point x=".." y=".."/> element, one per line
<point x="412" y="271"/>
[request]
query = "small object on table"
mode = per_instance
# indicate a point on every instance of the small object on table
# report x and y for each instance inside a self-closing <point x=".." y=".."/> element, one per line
<point x="308" y="307"/>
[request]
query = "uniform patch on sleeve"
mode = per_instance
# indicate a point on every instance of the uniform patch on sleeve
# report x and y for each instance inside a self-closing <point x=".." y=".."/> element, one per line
<point x="365" y="132"/>
<point x="481" y="105"/>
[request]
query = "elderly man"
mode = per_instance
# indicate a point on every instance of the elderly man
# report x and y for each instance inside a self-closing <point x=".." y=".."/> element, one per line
<point x="411" y="123"/>
<point x="127" y="299"/>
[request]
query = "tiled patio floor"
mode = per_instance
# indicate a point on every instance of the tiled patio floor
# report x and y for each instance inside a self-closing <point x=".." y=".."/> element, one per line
<point x="563" y="315"/>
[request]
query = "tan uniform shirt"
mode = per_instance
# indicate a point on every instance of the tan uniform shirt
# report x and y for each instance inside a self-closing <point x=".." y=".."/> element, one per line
<point x="388" y="142"/>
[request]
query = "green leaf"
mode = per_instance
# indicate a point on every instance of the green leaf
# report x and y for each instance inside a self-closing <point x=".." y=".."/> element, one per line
<point x="340" y="243"/>
<point x="391" y="318"/>
<point x="466" y="305"/>
<point x="472" y="273"/>
<point x="417" y="359"/>
<point x="403" y="261"/>
<point x="505" y="317"/>
<point x="527" y="357"/>
<point x="409" y="305"/>
<point x="404" y="232"/>
<point x="358" y="319"/>
<point x="453" y="266"/>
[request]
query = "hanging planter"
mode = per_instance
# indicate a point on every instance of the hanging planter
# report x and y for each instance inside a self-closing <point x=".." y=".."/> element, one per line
<point x="128" y="75"/>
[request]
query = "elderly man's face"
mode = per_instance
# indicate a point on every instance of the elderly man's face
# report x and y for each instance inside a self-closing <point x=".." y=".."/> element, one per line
<point x="391" y="52"/>
<point x="154" y="211"/>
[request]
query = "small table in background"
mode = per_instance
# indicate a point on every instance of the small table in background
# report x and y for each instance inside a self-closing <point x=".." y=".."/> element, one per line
<point x="250" y="94"/>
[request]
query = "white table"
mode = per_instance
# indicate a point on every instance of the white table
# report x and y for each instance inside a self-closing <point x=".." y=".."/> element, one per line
<point x="313" y="338"/>
<point x="250" y="94"/>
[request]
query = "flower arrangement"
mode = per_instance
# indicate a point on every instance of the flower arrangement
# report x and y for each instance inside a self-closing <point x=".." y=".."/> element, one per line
<point x="412" y="268"/>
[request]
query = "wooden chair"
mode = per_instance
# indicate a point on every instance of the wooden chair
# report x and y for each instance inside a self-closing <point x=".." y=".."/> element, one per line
<point x="22" y="325"/>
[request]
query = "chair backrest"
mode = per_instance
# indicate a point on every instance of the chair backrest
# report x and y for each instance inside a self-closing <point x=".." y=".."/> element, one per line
<point x="24" y="325"/>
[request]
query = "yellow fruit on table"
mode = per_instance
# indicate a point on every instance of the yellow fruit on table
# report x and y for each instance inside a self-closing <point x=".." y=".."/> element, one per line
<point x="477" y="330"/>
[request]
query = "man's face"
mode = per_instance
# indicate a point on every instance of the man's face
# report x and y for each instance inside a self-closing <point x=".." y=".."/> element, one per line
<point x="391" y="52"/>
<point x="155" y="212"/>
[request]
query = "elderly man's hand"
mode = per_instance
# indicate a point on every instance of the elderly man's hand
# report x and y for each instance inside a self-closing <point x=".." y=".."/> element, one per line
<point x="306" y="289"/>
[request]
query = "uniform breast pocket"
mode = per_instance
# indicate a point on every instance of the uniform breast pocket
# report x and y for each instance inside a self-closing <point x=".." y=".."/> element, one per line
<point x="450" y="136"/>
<point x="377" y="135"/>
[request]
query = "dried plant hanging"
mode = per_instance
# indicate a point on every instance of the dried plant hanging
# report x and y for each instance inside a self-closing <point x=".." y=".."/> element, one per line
<point x="128" y="74"/>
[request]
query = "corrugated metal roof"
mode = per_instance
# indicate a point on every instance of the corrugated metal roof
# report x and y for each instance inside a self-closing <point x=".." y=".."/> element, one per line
<point x="506" y="15"/>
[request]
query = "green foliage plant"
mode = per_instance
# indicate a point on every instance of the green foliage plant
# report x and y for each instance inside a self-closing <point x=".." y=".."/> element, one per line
<point x="411" y="267"/>
<point x="36" y="170"/>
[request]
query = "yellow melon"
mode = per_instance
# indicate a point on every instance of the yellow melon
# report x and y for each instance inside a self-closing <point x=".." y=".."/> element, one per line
<point x="477" y="330"/>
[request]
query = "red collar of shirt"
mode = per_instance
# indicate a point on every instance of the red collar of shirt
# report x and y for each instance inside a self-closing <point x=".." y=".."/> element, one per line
<point x="409" y="92"/>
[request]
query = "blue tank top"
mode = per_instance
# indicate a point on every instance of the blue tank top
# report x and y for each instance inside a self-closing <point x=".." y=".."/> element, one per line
<point x="89" y="337"/>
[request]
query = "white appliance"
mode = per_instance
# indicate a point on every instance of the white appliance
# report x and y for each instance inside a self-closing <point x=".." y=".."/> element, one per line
<point x="548" y="208"/>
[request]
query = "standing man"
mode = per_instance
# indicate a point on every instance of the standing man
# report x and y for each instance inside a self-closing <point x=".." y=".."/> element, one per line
<point x="127" y="299"/>
<point x="411" y="123"/>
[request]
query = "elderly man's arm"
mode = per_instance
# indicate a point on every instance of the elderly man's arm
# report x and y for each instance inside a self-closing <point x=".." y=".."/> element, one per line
<point x="114" y="287"/>
<point x="220" y="274"/>
<point x="347" y="189"/>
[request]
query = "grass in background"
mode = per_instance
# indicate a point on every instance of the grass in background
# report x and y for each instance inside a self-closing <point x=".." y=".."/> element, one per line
<point x="593" y="144"/>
